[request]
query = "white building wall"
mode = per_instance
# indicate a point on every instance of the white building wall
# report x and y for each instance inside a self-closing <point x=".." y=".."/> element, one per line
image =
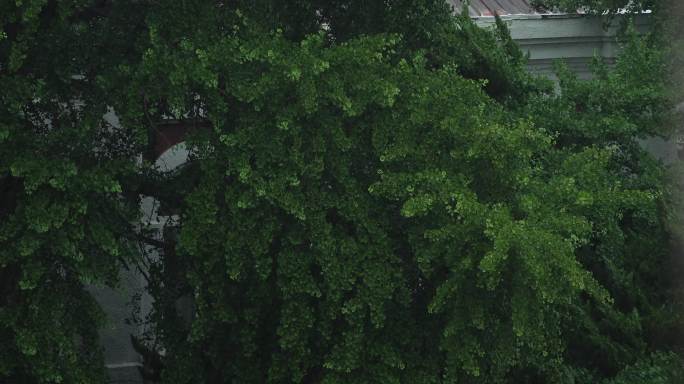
<point x="574" y="38"/>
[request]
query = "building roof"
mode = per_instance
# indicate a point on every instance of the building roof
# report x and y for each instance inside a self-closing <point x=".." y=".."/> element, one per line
<point x="484" y="8"/>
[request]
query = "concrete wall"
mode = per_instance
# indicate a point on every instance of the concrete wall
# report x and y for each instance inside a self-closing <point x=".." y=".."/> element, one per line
<point x="573" y="38"/>
<point x="121" y="359"/>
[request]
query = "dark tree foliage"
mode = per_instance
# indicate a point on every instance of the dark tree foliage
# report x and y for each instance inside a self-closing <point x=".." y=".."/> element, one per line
<point x="377" y="192"/>
<point x="63" y="222"/>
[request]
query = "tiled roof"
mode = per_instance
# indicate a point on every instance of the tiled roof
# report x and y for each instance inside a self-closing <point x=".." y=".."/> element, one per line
<point x="479" y="8"/>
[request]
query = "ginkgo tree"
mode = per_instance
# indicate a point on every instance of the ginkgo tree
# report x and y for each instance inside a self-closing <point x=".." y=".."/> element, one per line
<point x="376" y="192"/>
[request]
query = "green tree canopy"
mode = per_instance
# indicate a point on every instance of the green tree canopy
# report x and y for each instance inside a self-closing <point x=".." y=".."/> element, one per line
<point x="377" y="192"/>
